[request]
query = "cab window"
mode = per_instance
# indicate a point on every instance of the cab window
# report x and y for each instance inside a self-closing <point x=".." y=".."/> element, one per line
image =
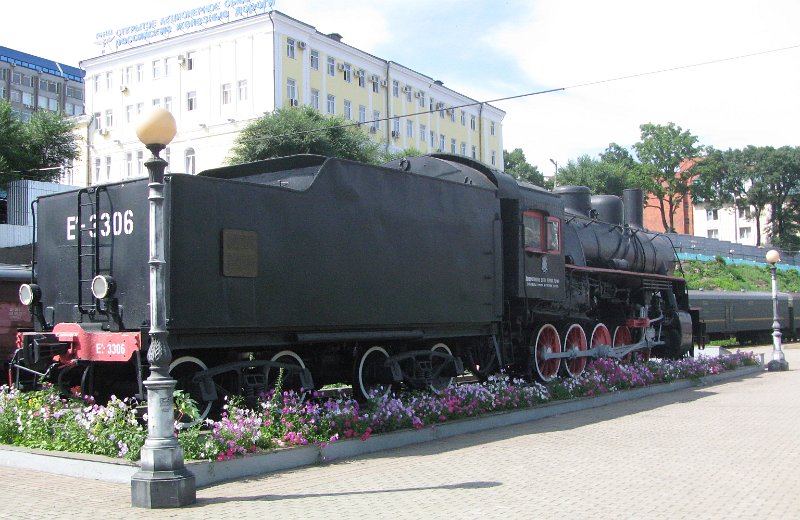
<point x="533" y="224"/>
<point x="553" y="227"/>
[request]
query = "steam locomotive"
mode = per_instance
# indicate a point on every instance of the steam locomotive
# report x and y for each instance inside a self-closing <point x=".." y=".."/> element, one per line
<point x="336" y="271"/>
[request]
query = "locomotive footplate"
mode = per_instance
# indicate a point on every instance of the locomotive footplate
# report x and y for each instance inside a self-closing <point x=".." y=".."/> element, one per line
<point x="420" y="368"/>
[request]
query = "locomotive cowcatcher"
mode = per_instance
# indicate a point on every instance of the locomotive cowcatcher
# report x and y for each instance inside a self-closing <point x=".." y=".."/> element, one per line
<point x="337" y="271"/>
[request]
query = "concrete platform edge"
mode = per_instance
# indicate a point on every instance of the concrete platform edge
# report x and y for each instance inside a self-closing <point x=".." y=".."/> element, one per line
<point x="208" y="473"/>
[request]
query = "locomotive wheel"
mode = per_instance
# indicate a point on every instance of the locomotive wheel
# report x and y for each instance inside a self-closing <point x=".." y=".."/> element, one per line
<point x="547" y="340"/>
<point x="601" y="336"/>
<point x="574" y="339"/>
<point x="372" y="377"/>
<point x="440" y="383"/>
<point x="482" y="358"/>
<point x="622" y="336"/>
<point x="182" y="370"/>
<point x="291" y="381"/>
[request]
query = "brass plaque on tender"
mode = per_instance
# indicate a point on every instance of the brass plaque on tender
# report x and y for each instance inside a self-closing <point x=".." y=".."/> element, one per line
<point x="239" y="253"/>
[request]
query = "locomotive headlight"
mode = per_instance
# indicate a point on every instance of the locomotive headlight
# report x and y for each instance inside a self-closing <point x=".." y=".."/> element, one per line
<point x="103" y="286"/>
<point x="29" y="293"/>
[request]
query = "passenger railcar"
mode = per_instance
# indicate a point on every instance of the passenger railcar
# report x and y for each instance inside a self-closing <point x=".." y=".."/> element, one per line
<point x="337" y="271"/>
<point x="747" y="316"/>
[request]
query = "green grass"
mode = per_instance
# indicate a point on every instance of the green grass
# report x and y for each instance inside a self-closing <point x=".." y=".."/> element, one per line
<point x="719" y="275"/>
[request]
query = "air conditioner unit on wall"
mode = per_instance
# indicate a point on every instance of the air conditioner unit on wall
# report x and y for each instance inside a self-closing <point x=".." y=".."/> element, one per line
<point x="372" y="129"/>
<point x="360" y="73"/>
<point x="181" y="59"/>
<point x="301" y="45"/>
<point x="374" y="77"/>
<point x="417" y="94"/>
<point x="395" y="134"/>
<point x="293" y="102"/>
<point x="341" y="66"/>
<point x="123" y="89"/>
<point x="384" y="83"/>
<point x="406" y="89"/>
<point x="103" y="131"/>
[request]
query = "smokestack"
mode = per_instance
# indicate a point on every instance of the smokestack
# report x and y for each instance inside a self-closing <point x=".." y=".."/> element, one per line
<point x="633" y="200"/>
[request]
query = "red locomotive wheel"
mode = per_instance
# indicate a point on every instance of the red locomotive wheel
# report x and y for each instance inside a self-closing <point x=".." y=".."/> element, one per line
<point x="601" y="336"/>
<point x="622" y="336"/>
<point x="547" y="341"/>
<point x="575" y="340"/>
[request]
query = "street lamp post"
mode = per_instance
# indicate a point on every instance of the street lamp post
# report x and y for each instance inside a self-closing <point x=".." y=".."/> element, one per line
<point x="162" y="481"/>
<point x="555" y="174"/>
<point x="778" y="359"/>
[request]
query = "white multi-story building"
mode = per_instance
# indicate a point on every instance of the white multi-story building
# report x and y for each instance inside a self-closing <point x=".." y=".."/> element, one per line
<point x="236" y="66"/>
<point x="730" y="224"/>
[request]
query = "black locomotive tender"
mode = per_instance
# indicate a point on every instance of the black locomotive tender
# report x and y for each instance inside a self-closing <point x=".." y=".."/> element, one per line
<point x="342" y="272"/>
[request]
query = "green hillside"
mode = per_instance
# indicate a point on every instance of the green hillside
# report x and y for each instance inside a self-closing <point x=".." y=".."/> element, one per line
<point x="720" y="275"/>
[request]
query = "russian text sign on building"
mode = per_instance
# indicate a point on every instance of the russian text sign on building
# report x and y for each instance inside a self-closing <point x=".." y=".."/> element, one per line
<point x="181" y="22"/>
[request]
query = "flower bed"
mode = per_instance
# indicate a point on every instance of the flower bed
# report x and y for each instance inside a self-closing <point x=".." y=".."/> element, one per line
<point x="44" y="420"/>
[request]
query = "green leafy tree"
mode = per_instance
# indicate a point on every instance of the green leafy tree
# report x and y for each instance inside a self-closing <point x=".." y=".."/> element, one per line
<point x="660" y="152"/>
<point x="35" y="150"/>
<point x="303" y="130"/>
<point x="406" y="152"/>
<point x="515" y="164"/>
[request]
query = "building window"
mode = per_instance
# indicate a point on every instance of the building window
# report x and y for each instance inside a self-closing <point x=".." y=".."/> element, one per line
<point x="41" y="102"/>
<point x="474" y="153"/>
<point x="16" y="96"/>
<point x="168" y="158"/>
<point x="27" y="99"/>
<point x="712" y="214"/>
<point x="167" y="66"/>
<point x="472" y="122"/>
<point x="491" y="129"/>
<point x="421" y="99"/>
<point x="408" y="94"/>
<point x="95" y="81"/>
<point x="191" y="100"/>
<point x="348" y="109"/>
<point x="243" y="90"/>
<point x="226" y="93"/>
<point x="745" y="213"/>
<point x="109" y="80"/>
<point x="156" y="69"/>
<point x="16" y="79"/>
<point x="347" y="73"/>
<point x="109" y="118"/>
<point x="396" y="126"/>
<point x="331" y="104"/>
<point x="168" y="103"/>
<point x="139" y="72"/>
<point x="441" y="142"/>
<point x="314" y="57"/>
<point x="128" y="75"/>
<point x="189" y="160"/>
<point x="452" y="112"/>
<point x="432" y="139"/>
<point x="97" y="166"/>
<point x="452" y="146"/>
<point x="494" y="157"/>
<point x="128" y="113"/>
<point x="376" y="120"/>
<point x="463" y="119"/>
<point x="464" y="149"/>
<point x="75" y="92"/>
<point x="291" y="90"/>
<point x="139" y="108"/>
<point x="744" y="233"/>
<point x="362" y="81"/>
<point x="128" y="164"/>
<point x="331" y="66"/>
<point x="139" y="163"/>
<point x="395" y="88"/>
<point x="156" y="102"/>
<point x="409" y="128"/>
<point x="108" y="167"/>
<point x="189" y="61"/>
<point x="376" y="83"/>
<point x="289" y="48"/>
<point x="423" y="131"/>
<point x="315" y="99"/>
<point x="362" y="114"/>
<point x="713" y="233"/>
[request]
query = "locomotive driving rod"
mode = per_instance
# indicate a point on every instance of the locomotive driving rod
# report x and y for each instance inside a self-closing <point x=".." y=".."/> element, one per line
<point x="604" y="350"/>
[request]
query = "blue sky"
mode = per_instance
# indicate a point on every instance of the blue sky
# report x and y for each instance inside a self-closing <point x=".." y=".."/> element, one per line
<point x="493" y="49"/>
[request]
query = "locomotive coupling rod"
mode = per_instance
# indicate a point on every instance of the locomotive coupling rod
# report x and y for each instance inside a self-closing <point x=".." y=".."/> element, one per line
<point x="618" y="352"/>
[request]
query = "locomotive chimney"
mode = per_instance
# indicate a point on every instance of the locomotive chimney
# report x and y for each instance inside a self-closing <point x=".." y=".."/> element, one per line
<point x="633" y="200"/>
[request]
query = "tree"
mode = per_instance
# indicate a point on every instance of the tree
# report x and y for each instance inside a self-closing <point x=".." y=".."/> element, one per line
<point x="660" y="152"/>
<point x="405" y="152"/>
<point x="515" y="164"/>
<point x="303" y="130"/>
<point x="38" y="149"/>
<point x="613" y="172"/>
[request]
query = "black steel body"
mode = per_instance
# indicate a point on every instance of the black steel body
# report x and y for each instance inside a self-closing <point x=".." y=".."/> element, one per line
<point x="355" y="273"/>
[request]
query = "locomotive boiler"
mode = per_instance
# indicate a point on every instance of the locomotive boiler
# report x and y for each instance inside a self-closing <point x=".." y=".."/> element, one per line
<point x="335" y="271"/>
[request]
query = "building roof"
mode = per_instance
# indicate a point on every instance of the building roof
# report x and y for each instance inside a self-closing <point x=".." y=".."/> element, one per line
<point x="41" y="64"/>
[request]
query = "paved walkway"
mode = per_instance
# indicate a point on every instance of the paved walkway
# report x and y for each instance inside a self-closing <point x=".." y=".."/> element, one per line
<point x="725" y="451"/>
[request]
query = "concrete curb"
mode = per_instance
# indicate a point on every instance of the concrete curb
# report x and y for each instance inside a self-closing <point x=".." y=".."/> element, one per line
<point x="208" y="473"/>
